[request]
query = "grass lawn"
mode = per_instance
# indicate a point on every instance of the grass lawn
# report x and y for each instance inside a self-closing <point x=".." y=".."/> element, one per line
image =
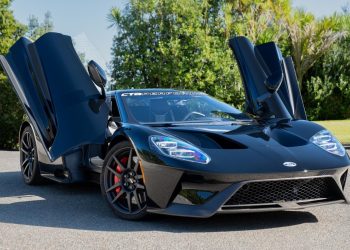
<point x="341" y="129"/>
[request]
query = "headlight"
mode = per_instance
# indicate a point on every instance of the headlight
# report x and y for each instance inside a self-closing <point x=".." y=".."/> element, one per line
<point x="178" y="149"/>
<point x="325" y="140"/>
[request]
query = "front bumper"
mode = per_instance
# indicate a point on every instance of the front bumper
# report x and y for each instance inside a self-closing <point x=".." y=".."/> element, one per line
<point x="258" y="193"/>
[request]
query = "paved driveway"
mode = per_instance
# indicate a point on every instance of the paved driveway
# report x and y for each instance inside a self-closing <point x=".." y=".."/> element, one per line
<point x="55" y="216"/>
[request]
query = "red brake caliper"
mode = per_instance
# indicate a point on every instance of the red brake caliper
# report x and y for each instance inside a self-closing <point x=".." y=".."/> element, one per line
<point x="123" y="161"/>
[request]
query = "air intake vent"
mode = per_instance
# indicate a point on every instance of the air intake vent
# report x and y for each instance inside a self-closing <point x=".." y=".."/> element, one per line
<point x="285" y="191"/>
<point x="224" y="142"/>
<point x="208" y="140"/>
<point x="343" y="179"/>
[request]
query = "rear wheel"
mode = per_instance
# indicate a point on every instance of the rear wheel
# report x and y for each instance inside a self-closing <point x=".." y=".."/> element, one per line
<point x="29" y="158"/>
<point x="122" y="182"/>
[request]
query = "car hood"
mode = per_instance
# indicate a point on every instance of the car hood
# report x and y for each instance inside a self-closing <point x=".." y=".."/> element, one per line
<point x="254" y="148"/>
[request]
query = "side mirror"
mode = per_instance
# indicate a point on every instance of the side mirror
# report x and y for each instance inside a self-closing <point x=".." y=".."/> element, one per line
<point x="97" y="74"/>
<point x="270" y="59"/>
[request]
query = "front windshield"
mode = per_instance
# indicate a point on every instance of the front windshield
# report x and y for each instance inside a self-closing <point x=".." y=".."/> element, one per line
<point x="177" y="106"/>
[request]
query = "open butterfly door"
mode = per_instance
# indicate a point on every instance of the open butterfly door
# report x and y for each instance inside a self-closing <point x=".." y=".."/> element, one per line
<point x="269" y="80"/>
<point x="57" y="93"/>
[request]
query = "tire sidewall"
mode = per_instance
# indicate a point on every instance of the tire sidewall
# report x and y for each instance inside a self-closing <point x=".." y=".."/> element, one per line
<point x="119" y="147"/>
<point x="36" y="171"/>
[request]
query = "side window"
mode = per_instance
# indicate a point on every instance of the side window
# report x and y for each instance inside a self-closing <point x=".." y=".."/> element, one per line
<point x="114" y="110"/>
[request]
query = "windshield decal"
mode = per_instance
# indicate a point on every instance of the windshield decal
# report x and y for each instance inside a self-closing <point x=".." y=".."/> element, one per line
<point x="167" y="93"/>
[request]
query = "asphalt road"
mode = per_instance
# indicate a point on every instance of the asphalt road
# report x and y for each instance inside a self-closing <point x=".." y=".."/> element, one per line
<point x="54" y="216"/>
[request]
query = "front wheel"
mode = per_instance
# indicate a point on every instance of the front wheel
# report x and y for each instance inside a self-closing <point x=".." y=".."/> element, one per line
<point x="122" y="182"/>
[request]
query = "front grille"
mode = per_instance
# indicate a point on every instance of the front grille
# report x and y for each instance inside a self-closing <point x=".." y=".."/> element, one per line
<point x="263" y="192"/>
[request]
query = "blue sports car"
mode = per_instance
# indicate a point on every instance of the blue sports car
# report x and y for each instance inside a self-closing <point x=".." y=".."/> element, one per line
<point x="171" y="151"/>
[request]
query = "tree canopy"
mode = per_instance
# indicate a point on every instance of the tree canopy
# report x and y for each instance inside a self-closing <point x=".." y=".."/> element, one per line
<point x="11" y="113"/>
<point x="36" y="29"/>
<point x="184" y="44"/>
<point x="177" y="44"/>
<point x="10" y="108"/>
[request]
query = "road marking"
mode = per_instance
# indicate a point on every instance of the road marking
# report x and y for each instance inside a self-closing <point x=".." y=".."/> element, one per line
<point x="20" y="198"/>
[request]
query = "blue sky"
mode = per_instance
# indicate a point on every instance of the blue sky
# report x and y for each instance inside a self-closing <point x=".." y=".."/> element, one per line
<point x="82" y="18"/>
<point x="87" y="19"/>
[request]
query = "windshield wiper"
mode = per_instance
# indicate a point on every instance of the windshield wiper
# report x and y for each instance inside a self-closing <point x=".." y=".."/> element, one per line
<point x="176" y="123"/>
<point x="243" y="121"/>
<point x="158" y="124"/>
<point x="199" y="122"/>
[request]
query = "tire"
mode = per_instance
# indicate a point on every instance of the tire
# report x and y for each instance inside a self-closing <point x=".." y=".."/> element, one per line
<point x="122" y="183"/>
<point x="29" y="158"/>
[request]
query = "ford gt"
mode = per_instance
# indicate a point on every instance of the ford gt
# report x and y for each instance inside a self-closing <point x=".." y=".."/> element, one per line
<point x="168" y="151"/>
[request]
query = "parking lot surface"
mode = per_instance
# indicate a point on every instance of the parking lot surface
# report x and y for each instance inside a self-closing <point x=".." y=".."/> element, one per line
<point x="56" y="216"/>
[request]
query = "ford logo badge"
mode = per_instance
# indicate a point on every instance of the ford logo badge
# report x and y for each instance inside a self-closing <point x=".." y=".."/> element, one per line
<point x="289" y="164"/>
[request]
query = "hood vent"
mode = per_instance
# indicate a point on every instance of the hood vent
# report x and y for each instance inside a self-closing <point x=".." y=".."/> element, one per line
<point x="224" y="142"/>
<point x="287" y="139"/>
<point x="209" y="140"/>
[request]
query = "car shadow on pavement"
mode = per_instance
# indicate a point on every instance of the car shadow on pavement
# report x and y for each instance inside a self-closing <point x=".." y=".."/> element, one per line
<point x="82" y="207"/>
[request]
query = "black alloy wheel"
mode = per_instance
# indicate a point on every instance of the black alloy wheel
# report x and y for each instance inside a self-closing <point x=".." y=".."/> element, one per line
<point x="122" y="182"/>
<point x="29" y="158"/>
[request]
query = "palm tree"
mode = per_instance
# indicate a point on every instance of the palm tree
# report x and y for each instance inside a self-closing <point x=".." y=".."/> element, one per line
<point x="311" y="39"/>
